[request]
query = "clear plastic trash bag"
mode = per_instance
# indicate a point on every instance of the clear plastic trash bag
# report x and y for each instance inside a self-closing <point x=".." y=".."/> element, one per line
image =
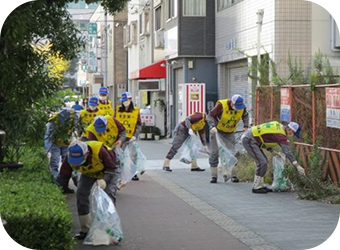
<point x="191" y="147"/>
<point x="280" y="183"/>
<point x="128" y="168"/>
<point x="106" y="227"/>
<point x="140" y="158"/>
<point x="226" y="153"/>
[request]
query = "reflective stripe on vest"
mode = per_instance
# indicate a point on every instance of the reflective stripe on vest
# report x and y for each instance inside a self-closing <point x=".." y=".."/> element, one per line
<point x="128" y="120"/>
<point x="268" y="128"/>
<point x="109" y="136"/>
<point x="229" y="118"/>
<point x="106" y="108"/>
<point x="95" y="168"/>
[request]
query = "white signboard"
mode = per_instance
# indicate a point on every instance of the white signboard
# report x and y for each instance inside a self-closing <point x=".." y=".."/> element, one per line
<point x="148" y="120"/>
<point x="333" y="107"/>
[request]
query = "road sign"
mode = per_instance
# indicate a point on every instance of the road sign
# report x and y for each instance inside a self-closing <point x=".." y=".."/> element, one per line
<point x="92" y="28"/>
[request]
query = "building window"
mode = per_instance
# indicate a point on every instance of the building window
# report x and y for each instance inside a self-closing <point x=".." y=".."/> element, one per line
<point x="194" y="7"/>
<point x="172" y="9"/>
<point x="127" y="36"/>
<point x="144" y="23"/>
<point x="222" y="4"/>
<point x="141" y="23"/>
<point x="158" y="18"/>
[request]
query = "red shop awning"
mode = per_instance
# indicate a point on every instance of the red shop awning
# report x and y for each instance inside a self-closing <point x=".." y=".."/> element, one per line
<point x="153" y="71"/>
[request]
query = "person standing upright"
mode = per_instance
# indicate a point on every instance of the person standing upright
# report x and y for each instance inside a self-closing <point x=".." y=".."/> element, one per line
<point x="223" y="119"/>
<point x="129" y="116"/>
<point x="104" y="104"/>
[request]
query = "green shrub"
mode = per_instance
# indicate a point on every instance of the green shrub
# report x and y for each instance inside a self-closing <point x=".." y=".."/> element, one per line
<point x="35" y="209"/>
<point x="312" y="187"/>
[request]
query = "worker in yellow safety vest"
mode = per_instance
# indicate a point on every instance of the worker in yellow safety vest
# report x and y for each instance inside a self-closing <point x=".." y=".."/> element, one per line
<point x="266" y="136"/>
<point x="108" y="130"/>
<point x="223" y="120"/>
<point x="87" y="116"/>
<point x="129" y="116"/>
<point x="193" y="124"/>
<point x="96" y="163"/>
<point x="104" y="104"/>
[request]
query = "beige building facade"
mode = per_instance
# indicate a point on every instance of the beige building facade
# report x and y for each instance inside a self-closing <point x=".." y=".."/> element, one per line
<point x="296" y="26"/>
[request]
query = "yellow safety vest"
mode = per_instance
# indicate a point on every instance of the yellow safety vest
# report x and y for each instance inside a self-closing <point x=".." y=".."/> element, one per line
<point x="268" y="128"/>
<point x="198" y="125"/>
<point x="106" y="108"/>
<point x="128" y="120"/>
<point x="61" y="142"/>
<point x="229" y="118"/>
<point x="109" y="136"/>
<point x="88" y="117"/>
<point x="96" y="167"/>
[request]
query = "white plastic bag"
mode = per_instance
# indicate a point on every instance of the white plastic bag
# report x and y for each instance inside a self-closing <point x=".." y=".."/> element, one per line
<point x="227" y="154"/>
<point x="280" y="183"/>
<point x="140" y="158"/>
<point x="106" y="227"/>
<point x="191" y="147"/>
<point x="128" y="168"/>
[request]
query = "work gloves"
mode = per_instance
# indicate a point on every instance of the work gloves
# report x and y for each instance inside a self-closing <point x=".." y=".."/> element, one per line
<point x="191" y="132"/>
<point x="102" y="183"/>
<point x="213" y="130"/>
<point x="301" y="170"/>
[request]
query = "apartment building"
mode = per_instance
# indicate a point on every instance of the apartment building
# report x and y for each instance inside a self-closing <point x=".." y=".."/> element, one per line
<point x="296" y="26"/>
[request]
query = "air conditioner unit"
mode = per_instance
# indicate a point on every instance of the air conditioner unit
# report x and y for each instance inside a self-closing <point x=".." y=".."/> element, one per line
<point x="159" y="39"/>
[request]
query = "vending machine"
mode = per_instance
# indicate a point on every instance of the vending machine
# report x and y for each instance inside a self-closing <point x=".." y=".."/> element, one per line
<point x="191" y="99"/>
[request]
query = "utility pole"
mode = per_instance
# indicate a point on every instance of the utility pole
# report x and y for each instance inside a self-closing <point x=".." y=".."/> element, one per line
<point x="105" y="49"/>
<point x="259" y="14"/>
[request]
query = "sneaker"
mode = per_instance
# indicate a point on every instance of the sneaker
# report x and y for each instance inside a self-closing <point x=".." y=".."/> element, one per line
<point x="68" y="190"/>
<point x="168" y="169"/>
<point x="226" y="178"/>
<point x="259" y="191"/>
<point x="198" y="169"/>
<point x="80" y="236"/>
<point x="213" y="180"/>
<point x="135" y="178"/>
<point x="235" y="179"/>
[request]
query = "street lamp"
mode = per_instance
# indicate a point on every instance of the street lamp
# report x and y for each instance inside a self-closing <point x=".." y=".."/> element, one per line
<point x="259" y="14"/>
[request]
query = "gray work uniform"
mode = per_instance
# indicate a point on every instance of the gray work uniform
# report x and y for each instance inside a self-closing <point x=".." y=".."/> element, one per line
<point x="227" y="138"/>
<point x="181" y="133"/>
<point x="253" y="147"/>
<point x="84" y="189"/>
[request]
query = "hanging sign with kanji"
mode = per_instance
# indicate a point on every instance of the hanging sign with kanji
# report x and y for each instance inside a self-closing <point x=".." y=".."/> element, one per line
<point x="285" y="105"/>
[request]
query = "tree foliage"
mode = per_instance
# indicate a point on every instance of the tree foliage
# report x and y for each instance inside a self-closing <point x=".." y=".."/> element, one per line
<point x="29" y="80"/>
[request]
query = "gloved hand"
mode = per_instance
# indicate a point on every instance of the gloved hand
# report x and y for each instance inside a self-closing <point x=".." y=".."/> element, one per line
<point x="301" y="170"/>
<point x="245" y="129"/>
<point x="133" y="138"/>
<point x="118" y="144"/>
<point x="213" y="130"/>
<point x="102" y="183"/>
<point x="191" y="132"/>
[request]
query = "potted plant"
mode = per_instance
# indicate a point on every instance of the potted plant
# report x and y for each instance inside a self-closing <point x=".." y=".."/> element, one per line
<point x="157" y="133"/>
<point x="149" y="134"/>
<point x="143" y="131"/>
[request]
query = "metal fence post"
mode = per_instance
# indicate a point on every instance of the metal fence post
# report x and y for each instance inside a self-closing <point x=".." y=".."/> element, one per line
<point x="313" y="118"/>
<point x="272" y="103"/>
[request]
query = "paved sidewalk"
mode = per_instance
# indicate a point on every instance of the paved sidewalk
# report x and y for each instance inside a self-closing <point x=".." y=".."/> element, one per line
<point x="153" y="218"/>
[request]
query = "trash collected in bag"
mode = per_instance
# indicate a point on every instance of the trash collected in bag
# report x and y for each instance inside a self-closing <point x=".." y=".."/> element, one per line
<point x="128" y="168"/>
<point x="280" y="183"/>
<point x="191" y="147"/>
<point x="140" y="158"/>
<point x="106" y="227"/>
<point x="226" y="153"/>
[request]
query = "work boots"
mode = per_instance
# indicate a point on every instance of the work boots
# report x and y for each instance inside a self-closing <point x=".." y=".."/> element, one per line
<point x="213" y="174"/>
<point x="85" y="224"/>
<point x="257" y="186"/>
<point x="195" y="167"/>
<point x="265" y="186"/>
<point x="166" y="165"/>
